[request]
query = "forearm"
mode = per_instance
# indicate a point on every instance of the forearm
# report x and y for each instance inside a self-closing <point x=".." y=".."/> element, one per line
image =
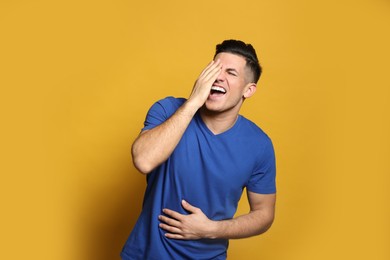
<point x="154" y="146"/>
<point x="197" y="225"/>
<point x="251" y="224"/>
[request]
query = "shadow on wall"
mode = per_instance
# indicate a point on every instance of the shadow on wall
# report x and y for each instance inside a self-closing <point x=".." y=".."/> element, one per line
<point x="110" y="215"/>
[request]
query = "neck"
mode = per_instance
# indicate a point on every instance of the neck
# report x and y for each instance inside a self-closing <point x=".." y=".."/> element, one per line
<point x="216" y="122"/>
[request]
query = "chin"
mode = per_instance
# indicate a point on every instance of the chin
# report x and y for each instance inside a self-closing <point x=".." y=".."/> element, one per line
<point x="212" y="106"/>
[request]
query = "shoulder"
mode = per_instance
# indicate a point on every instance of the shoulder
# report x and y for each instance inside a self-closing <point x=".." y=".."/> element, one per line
<point x="172" y="101"/>
<point x="166" y="106"/>
<point x="252" y="130"/>
<point x="161" y="110"/>
<point x="170" y="104"/>
<point x="256" y="139"/>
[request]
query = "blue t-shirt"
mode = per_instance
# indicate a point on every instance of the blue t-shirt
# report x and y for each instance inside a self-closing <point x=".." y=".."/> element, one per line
<point x="207" y="170"/>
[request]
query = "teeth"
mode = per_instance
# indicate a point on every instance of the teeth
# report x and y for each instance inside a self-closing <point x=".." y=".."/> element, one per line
<point x="218" y="89"/>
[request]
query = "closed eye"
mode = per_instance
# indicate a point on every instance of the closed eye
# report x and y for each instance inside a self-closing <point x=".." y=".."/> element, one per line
<point x="232" y="72"/>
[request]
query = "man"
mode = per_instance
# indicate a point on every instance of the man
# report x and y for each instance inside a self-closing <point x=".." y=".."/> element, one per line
<point x="199" y="154"/>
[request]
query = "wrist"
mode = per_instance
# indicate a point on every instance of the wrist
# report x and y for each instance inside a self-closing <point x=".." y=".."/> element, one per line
<point x="191" y="106"/>
<point x="213" y="230"/>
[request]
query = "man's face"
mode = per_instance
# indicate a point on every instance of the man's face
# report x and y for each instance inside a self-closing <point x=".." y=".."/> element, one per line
<point x="229" y="89"/>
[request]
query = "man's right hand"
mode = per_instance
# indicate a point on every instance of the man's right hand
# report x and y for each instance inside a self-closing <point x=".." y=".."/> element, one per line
<point x="203" y="84"/>
<point x="154" y="146"/>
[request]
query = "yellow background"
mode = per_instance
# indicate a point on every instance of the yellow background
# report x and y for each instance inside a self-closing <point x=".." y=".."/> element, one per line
<point x="77" y="78"/>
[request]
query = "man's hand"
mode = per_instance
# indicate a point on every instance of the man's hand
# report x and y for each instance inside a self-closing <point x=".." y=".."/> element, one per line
<point x="196" y="225"/>
<point x="203" y="84"/>
<point x="154" y="146"/>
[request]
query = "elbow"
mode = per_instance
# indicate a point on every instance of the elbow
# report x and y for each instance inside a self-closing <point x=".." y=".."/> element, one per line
<point x="268" y="224"/>
<point x="265" y="224"/>
<point x="141" y="163"/>
<point x="142" y="167"/>
<point x="266" y="227"/>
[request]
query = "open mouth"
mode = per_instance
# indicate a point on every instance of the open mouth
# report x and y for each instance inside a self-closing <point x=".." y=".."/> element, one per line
<point x="217" y="90"/>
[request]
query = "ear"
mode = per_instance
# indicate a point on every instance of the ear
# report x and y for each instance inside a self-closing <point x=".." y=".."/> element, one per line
<point x="249" y="90"/>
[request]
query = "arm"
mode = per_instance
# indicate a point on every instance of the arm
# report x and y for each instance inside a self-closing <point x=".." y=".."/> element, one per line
<point x="196" y="225"/>
<point x="154" y="146"/>
<point x="257" y="221"/>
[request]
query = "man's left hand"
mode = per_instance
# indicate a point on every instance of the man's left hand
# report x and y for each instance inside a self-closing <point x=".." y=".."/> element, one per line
<point x="196" y="225"/>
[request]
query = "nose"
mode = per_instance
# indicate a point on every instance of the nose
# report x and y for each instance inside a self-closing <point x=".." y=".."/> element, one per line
<point x="220" y="77"/>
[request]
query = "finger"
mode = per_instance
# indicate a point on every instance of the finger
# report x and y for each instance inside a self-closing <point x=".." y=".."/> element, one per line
<point x="213" y="74"/>
<point x="214" y="65"/>
<point x="187" y="206"/>
<point x="205" y="69"/>
<point x="170" y="229"/>
<point x="174" y="236"/>
<point x="173" y="214"/>
<point x="169" y="221"/>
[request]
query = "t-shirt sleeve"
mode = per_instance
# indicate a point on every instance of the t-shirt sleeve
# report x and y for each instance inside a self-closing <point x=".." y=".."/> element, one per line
<point x="160" y="111"/>
<point x="263" y="177"/>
